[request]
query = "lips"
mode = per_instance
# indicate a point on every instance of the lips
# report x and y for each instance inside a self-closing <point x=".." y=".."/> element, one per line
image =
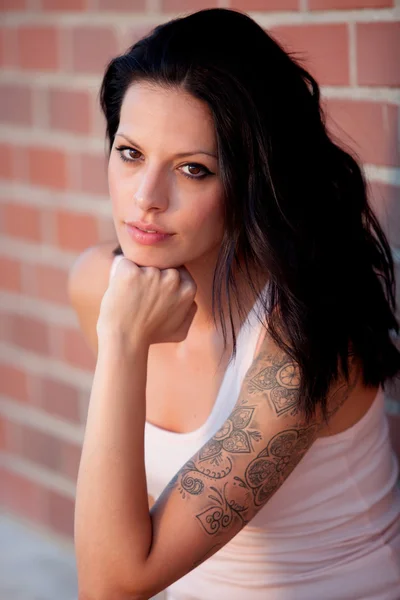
<point x="148" y="227"/>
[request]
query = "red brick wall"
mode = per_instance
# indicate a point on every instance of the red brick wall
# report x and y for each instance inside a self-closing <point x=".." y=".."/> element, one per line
<point x="54" y="193"/>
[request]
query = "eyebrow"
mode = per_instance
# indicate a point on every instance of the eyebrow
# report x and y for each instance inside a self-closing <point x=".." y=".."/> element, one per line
<point x="179" y="155"/>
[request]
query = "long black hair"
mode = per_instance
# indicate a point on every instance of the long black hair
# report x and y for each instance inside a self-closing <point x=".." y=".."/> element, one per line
<point x="296" y="202"/>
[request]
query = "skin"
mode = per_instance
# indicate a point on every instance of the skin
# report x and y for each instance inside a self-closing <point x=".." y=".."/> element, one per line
<point x="152" y="187"/>
<point x="162" y="294"/>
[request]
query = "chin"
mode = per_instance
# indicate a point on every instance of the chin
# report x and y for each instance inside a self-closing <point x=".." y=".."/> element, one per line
<point x="158" y="263"/>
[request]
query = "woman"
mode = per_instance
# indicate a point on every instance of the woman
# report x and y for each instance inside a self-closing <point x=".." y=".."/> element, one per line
<point x="243" y="335"/>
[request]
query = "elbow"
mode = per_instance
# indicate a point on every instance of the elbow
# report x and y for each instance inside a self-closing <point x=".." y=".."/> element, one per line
<point x="112" y="592"/>
<point x="103" y="588"/>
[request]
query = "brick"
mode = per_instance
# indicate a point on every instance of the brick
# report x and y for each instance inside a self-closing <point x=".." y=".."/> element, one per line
<point x="59" y="399"/>
<point x="3" y="51"/>
<point x="378" y="49"/>
<point x="14" y="383"/>
<point x="41" y="448"/>
<point x="61" y="513"/>
<point x="368" y="128"/>
<point x="323" y="49"/>
<point x="2" y="433"/>
<point x="187" y="5"/>
<point x="93" y="48"/>
<point x="76" y="231"/>
<point x="15" y="104"/>
<point x="47" y="167"/>
<point x="48" y="283"/>
<point x="13" y="5"/>
<point x="8" y="56"/>
<point x="23" y="221"/>
<point x="125" y="5"/>
<point x="348" y="4"/>
<point x="385" y="201"/>
<point x="94" y="173"/>
<point x="13" y="437"/>
<point x="131" y="36"/>
<point x="71" y="456"/>
<point x="23" y="497"/>
<point x="6" y="161"/>
<point x="29" y="333"/>
<point x="10" y="270"/>
<point x="64" y="5"/>
<point x="69" y="110"/>
<point x="38" y="48"/>
<point x="265" y="5"/>
<point x="76" y="351"/>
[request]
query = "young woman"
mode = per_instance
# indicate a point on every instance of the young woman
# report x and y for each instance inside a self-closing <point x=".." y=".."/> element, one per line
<point x="243" y="334"/>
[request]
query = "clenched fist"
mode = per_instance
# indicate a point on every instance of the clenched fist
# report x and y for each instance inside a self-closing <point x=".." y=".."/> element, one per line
<point x="147" y="305"/>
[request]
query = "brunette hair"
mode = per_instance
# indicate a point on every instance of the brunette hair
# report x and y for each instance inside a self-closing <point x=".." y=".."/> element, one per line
<point x="296" y="202"/>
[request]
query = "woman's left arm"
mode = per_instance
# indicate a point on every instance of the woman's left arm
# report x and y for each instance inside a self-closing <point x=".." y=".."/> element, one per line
<point x="126" y="552"/>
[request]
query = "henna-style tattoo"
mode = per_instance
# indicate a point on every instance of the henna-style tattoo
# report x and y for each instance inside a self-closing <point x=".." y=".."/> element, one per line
<point x="280" y="378"/>
<point x="237" y="499"/>
<point x="221" y="513"/>
<point x="273" y="464"/>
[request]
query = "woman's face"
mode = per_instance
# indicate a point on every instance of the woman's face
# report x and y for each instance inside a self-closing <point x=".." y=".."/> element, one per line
<point x="163" y="171"/>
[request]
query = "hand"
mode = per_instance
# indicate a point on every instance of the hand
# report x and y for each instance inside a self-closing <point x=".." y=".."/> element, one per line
<point x="147" y="304"/>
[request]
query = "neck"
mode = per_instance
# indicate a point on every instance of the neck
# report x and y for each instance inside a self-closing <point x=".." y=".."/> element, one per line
<point x="202" y="272"/>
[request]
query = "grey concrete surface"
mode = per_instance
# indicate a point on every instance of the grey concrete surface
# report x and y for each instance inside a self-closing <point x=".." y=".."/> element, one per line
<point x="33" y="567"/>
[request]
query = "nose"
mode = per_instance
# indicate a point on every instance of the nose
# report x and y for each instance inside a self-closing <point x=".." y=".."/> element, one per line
<point x="152" y="192"/>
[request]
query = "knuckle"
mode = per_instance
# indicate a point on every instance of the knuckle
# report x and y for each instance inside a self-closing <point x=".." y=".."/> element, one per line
<point x="172" y="275"/>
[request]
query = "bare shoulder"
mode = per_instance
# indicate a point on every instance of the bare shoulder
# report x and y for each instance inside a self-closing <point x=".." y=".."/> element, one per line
<point x="87" y="282"/>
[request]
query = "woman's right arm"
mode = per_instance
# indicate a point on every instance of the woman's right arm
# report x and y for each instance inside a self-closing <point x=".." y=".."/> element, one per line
<point x="87" y="282"/>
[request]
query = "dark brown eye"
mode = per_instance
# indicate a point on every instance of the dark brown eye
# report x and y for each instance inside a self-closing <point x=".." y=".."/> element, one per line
<point x="128" y="154"/>
<point x="195" y="171"/>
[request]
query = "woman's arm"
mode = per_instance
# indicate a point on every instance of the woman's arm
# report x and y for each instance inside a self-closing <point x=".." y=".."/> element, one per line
<point x="125" y="552"/>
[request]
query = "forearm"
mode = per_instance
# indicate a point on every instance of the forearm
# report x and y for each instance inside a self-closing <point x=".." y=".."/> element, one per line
<point x="112" y="523"/>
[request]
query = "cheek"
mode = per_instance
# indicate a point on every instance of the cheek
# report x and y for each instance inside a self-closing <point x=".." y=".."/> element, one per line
<point x="114" y="179"/>
<point x="206" y="217"/>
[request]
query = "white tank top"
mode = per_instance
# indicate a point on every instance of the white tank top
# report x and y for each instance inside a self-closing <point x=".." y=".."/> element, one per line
<point x="331" y="531"/>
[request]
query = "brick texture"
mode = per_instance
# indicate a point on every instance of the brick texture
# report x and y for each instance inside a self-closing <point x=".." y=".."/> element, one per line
<point x="29" y="333"/>
<point x="125" y="5"/>
<point x="47" y="167"/>
<point x="322" y="49"/>
<point x="13" y="5"/>
<point x="15" y="104"/>
<point x="53" y="173"/>
<point x="10" y="270"/>
<point x="6" y="161"/>
<point x="76" y="231"/>
<point x="14" y="383"/>
<point x="69" y="110"/>
<point x="380" y="67"/>
<point x="92" y="48"/>
<point x="22" y="221"/>
<point x="38" y="48"/>
<point x="385" y="200"/>
<point x="369" y="128"/>
<point x="261" y="5"/>
<point x="64" y="5"/>
<point x="348" y="4"/>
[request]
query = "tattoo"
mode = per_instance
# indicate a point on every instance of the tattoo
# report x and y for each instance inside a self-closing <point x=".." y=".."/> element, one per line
<point x="221" y="513"/>
<point x="273" y="464"/>
<point x="280" y="378"/>
<point x="209" y="474"/>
